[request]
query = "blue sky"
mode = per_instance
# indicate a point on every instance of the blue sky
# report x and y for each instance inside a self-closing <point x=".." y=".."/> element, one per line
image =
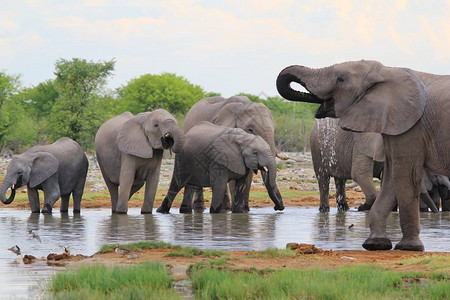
<point x="227" y="46"/>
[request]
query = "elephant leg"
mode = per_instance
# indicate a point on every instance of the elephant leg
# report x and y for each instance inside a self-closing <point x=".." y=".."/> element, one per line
<point x="324" y="190"/>
<point x="151" y="186"/>
<point x="33" y="199"/>
<point x="244" y="194"/>
<point x="239" y="193"/>
<point x="341" y="198"/>
<point x="64" y="203"/>
<point x="198" y="203"/>
<point x="379" y="212"/>
<point x="77" y="195"/>
<point x="51" y="193"/>
<point x="113" y="193"/>
<point x="174" y="188"/>
<point x="126" y="181"/>
<point x="218" y="189"/>
<point x="362" y="173"/>
<point x="445" y="199"/>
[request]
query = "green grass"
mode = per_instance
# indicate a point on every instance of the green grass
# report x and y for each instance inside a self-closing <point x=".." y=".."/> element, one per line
<point x="432" y="263"/>
<point x="178" y="251"/>
<point x="141" y="281"/>
<point x="139" y="246"/>
<point x="353" y="282"/>
<point x="272" y="253"/>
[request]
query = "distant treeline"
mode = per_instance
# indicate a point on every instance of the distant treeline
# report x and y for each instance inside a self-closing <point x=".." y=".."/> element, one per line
<point x="75" y="103"/>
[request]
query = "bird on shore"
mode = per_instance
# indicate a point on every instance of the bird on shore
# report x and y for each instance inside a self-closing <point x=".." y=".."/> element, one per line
<point x="15" y="249"/>
<point x="121" y="251"/>
<point x="34" y="235"/>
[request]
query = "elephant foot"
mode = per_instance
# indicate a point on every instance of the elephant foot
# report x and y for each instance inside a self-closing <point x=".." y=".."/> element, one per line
<point x="342" y="207"/>
<point x="185" y="210"/>
<point x="213" y="210"/>
<point x="47" y="209"/>
<point x="146" y="212"/>
<point x="277" y="207"/>
<point x="76" y="211"/>
<point x="425" y="209"/>
<point x="163" y="209"/>
<point x="120" y="212"/>
<point x="246" y="208"/>
<point x="36" y="211"/>
<point x="364" y="207"/>
<point x="377" y="244"/>
<point x="237" y="210"/>
<point x="198" y="206"/>
<point x="64" y="211"/>
<point x="324" y="208"/>
<point x="410" y="245"/>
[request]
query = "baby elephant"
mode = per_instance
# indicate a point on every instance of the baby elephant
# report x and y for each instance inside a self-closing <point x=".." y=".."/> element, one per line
<point x="212" y="156"/>
<point x="58" y="169"/>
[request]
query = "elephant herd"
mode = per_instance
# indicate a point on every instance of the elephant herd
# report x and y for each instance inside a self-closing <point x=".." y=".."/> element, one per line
<point x="373" y="121"/>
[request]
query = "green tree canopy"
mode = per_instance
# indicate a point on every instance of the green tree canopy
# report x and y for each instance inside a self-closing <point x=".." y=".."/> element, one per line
<point x="78" y="84"/>
<point x="149" y="92"/>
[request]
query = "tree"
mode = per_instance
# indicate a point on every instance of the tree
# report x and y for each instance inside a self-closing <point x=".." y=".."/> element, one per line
<point x="149" y="92"/>
<point x="74" y="113"/>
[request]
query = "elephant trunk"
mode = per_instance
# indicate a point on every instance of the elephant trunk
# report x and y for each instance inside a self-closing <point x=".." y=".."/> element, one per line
<point x="313" y="80"/>
<point x="173" y="136"/>
<point x="4" y="188"/>
<point x="269" y="174"/>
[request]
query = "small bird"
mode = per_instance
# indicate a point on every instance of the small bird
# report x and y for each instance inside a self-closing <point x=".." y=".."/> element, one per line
<point x="351" y="226"/>
<point x="66" y="249"/>
<point x="121" y="251"/>
<point x="15" y="249"/>
<point x="34" y="235"/>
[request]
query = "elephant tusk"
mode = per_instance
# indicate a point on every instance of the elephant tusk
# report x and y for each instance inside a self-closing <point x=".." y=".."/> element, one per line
<point x="167" y="135"/>
<point x="282" y="157"/>
<point x="13" y="186"/>
<point x="265" y="169"/>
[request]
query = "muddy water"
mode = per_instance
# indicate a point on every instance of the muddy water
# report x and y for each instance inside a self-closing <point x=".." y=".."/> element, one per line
<point x="258" y="230"/>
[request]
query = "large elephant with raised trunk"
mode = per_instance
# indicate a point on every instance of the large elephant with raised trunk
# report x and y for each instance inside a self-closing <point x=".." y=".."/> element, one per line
<point x="129" y="151"/>
<point x="214" y="155"/>
<point x="409" y="108"/>
<point x="59" y="170"/>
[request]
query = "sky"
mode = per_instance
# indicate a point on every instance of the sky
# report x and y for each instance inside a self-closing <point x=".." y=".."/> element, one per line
<point x="225" y="46"/>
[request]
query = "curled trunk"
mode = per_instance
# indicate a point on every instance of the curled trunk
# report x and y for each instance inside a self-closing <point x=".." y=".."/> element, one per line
<point x="174" y="136"/>
<point x="3" y="189"/>
<point x="295" y="74"/>
<point x="269" y="178"/>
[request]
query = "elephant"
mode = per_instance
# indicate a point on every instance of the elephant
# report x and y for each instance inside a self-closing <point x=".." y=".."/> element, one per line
<point x="409" y="108"/>
<point x="213" y="155"/>
<point x="129" y="151"/>
<point x="438" y="187"/>
<point x="238" y="112"/>
<point x="58" y="169"/>
<point x="345" y="155"/>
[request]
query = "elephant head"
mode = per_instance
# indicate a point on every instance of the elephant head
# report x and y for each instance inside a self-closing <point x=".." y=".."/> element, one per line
<point x="150" y="130"/>
<point x="243" y="152"/>
<point x="254" y="118"/>
<point x="365" y="95"/>
<point x="27" y="169"/>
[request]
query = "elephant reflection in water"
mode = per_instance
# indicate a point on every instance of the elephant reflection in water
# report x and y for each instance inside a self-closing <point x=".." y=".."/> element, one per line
<point x="122" y="227"/>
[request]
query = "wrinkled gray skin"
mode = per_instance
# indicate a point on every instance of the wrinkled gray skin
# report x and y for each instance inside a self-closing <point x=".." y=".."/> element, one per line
<point x="58" y="170"/>
<point x="438" y="187"/>
<point x="345" y="155"/>
<point x="410" y="110"/>
<point x="213" y="155"/>
<point x="235" y="112"/>
<point x="129" y="151"/>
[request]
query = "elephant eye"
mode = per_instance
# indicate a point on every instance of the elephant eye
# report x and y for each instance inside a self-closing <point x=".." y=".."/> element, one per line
<point x="250" y="130"/>
<point x="340" y="78"/>
<point x="255" y="152"/>
<point x="156" y="125"/>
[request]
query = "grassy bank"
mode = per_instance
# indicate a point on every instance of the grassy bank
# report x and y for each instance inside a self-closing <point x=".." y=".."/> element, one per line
<point x="215" y="275"/>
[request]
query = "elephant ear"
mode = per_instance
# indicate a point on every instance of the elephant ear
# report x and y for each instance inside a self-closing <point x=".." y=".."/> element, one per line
<point x="44" y="165"/>
<point x="393" y="102"/>
<point x="370" y="144"/>
<point x="227" y="115"/>
<point x="132" y="139"/>
<point x="226" y="151"/>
